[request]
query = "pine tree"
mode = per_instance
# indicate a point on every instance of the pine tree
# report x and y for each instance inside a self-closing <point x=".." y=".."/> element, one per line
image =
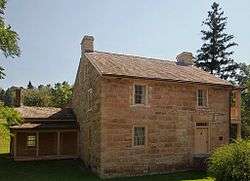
<point x="214" y="56"/>
<point x="30" y="86"/>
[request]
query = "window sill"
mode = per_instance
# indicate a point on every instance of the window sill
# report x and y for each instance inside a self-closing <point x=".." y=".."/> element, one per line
<point x="202" y="107"/>
<point x="139" y="105"/>
<point x="139" y="146"/>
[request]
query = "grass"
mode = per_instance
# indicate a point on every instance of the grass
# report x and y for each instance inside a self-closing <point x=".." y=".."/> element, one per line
<point x="73" y="170"/>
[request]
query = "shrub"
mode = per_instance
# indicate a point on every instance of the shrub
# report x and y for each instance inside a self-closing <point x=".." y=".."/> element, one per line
<point x="231" y="162"/>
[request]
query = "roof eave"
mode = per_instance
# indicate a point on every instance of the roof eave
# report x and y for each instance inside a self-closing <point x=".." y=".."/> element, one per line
<point x="168" y="80"/>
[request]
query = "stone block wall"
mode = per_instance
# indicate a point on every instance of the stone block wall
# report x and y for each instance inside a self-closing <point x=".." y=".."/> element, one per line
<point x="88" y="116"/>
<point x="169" y="119"/>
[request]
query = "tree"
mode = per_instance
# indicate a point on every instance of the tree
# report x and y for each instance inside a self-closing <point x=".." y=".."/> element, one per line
<point x="245" y="111"/>
<point x="9" y="96"/>
<point x="61" y="94"/>
<point x="8" y="117"/>
<point x="244" y="74"/>
<point x="48" y="96"/>
<point x="8" y="38"/>
<point x="214" y="56"/>
<point x="37" y="97"/>
<point x="30" y="86"/>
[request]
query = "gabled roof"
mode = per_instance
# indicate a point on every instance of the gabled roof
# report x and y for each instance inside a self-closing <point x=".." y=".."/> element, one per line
<point x="149" y="68"/>
<point x="45" y="113"/>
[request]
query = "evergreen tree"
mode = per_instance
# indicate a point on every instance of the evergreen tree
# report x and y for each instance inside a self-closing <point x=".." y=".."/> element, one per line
<point x="214" y="56"/>
<point x="30" y="86"/>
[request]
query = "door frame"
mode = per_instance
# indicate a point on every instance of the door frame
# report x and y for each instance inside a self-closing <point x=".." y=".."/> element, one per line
<point x="206" y="125"/>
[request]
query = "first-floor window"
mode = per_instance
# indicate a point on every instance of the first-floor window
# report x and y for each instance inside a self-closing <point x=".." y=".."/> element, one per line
<point x="139" y="136"/>
<point x="31" y="141"/>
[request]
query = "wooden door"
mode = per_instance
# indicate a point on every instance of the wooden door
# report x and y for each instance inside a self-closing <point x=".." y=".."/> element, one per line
<point x="201" y="140"/>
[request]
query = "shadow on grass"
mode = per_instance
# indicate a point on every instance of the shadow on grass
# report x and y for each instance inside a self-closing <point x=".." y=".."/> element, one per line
<point x="73" y="170"/>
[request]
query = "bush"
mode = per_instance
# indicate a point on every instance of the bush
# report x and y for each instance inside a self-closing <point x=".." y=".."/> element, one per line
<point x="231" y="162"/>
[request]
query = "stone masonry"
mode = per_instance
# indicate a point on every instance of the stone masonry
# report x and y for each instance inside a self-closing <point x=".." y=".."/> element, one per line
<point x="104" y="108"/>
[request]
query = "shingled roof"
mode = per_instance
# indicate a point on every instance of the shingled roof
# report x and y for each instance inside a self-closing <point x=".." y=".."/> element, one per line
<point x="112" y="64"/>
<point x="45" y="113"/>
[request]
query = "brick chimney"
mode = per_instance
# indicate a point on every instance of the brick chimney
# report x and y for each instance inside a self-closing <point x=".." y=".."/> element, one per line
<point x="18" y="100"/>
<point x="185" y="59"/>
<point x="87" y="44"/>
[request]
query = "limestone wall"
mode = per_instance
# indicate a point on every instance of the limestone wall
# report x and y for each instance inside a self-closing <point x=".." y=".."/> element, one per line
<point x="169" y="119"/>
<point x="88" y="116"/>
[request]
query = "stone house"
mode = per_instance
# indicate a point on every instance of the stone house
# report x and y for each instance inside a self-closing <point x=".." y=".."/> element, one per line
<point x="141" y="115"/>
<point x="132" y="115"/>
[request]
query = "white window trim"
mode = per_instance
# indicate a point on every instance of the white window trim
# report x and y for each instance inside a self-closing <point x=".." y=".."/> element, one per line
<point x="197" y="101"/>
<point x="146" y="136"/>
<point x="146" y="95"/>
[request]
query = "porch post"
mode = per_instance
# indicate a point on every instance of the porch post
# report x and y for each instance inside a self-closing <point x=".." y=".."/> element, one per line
<point x="15" y="135"/>
<point x="37" y="143"/>
<point x="58" y="142"/>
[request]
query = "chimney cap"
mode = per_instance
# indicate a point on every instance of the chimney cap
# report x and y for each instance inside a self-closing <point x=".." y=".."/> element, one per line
<point x="185" y="59"/>
<point x="87" y="44"/>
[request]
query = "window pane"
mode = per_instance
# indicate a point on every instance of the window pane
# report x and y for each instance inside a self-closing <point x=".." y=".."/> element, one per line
<point x="139" y="136"/>
<point x="139" y="94"/>
<point x="200" y="98"/>
<point x="31" y="141"/>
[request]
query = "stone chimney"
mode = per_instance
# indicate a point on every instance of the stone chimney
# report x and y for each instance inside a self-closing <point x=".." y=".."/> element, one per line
<point x="87" y="44"/>
<point x="185" y="59"/>
<point x="18" y="100"/>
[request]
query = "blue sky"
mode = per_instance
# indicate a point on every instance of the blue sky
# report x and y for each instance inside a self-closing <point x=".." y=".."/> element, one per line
<point x="51" y="32"/>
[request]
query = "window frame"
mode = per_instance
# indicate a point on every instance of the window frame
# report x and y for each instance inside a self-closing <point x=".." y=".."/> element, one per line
<point x="204" y="99"/>
<point x="233" y="99"/>
<point x="145" y="96"/>
<point x="133" y="136"/>
<point x="31" y="141"/>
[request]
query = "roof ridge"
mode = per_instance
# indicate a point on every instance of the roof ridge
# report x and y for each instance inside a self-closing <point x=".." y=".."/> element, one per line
<point x="135" y="56"/>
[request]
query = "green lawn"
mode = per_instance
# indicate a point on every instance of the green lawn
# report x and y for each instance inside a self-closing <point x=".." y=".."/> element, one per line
<point x="73" y="170"/>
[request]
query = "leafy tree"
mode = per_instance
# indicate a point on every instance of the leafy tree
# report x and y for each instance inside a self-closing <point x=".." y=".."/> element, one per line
<point x="48" y="96"/>
<point x="8" y="38"/>
<point x="37" y="97"/>
<point x="61" y="94"/>
<point x="8" y="117"/>
<point x="214" y="55"/>
<point x="32" y="98"/>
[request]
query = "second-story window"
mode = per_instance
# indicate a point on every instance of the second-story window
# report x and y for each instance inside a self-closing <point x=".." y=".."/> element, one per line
<point x="233" y="99"/>
<point x="202" y="98"/>
<point x="139" y="94"/>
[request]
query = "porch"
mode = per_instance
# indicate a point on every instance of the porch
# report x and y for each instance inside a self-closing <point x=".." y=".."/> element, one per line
<point x="44" y="144"/>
